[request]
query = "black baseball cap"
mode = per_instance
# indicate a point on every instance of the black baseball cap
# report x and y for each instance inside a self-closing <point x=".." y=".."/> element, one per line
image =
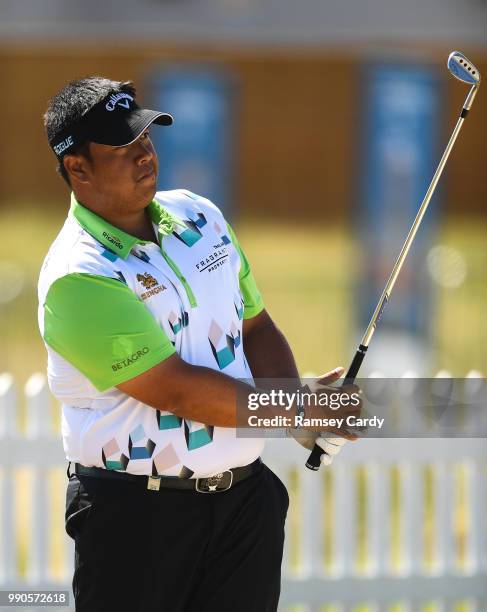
<point x="116" y="121"/>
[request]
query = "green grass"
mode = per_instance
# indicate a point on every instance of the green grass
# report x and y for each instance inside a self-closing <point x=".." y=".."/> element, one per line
<point x="300" y="272"/>
<point x="461" y="329"/>
<point x="308" y="275"/>
<point x="26" y="234"/>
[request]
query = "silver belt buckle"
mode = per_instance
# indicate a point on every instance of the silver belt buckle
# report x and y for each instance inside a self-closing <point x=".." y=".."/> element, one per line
<point x="212" y="484"/>
<point x="154" y="483"/>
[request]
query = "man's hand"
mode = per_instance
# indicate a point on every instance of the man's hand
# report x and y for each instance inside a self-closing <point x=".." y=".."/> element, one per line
<point x="330" y="401"/>
<point x="331" y="440"/>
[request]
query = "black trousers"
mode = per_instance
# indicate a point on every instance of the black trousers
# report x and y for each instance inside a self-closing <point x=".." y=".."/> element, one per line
<point x="176" y="551"/>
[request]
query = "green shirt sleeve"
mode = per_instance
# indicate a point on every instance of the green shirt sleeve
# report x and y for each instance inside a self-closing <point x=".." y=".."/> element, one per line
<point x="102" y="328"/>
<point x="253" y="303"/>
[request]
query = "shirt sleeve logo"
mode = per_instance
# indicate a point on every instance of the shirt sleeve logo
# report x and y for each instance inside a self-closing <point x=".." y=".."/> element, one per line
<point x="130" y="359"/>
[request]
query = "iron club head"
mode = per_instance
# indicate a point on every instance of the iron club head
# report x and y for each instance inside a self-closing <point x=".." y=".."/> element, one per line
<point x="462" y="68"/>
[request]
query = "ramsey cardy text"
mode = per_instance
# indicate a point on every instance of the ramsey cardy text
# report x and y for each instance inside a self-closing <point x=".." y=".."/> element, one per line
<point x="299" y="420"/>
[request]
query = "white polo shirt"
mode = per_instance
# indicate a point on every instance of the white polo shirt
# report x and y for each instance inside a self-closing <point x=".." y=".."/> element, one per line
<point x="112" y="306"/>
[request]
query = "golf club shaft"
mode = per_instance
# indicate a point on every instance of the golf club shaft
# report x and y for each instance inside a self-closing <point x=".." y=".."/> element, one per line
<point x="314" y="460"/>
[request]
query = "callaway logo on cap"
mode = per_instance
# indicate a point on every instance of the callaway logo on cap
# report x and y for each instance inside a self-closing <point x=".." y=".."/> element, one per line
<point x="116" y="121"/>
<point x="120" y="99"/>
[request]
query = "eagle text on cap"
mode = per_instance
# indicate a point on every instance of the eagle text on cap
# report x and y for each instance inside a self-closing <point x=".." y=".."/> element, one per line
<point x="63" y="145"/>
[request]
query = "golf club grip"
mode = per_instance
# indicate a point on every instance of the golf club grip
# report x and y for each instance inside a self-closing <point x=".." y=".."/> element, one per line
<point x="354" y="368"/>
<point x="314" y="459"/>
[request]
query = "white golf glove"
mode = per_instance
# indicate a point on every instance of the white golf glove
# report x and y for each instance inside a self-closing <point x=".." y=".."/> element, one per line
<point x="331" y="445"/>
<point x="329" y="442"/>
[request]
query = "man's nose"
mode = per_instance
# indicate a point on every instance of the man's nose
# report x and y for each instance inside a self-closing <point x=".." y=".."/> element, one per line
<point x="145" y="151"/>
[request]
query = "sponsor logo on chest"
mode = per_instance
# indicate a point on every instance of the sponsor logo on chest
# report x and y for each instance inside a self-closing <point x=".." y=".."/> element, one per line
<point x="151" y="284"/>
<point x="213" y="260"/>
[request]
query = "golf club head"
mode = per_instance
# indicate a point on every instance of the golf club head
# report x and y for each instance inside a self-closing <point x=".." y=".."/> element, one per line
<point x="462" y="68"/>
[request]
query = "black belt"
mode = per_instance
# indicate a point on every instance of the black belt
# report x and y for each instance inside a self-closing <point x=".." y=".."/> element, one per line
<point x="212" y="484"/>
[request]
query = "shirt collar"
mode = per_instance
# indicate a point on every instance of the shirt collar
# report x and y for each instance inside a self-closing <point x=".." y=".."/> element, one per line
<point x="112" y="237"/>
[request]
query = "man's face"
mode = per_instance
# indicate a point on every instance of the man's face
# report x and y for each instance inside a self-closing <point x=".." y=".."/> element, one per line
<point x="124" y="177"/>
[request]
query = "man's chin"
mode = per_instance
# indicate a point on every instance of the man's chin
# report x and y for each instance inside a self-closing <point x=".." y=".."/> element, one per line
<point x="147" y="191"/>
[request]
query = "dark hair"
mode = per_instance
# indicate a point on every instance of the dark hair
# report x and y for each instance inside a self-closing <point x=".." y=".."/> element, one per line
<point x="72" y="102"/>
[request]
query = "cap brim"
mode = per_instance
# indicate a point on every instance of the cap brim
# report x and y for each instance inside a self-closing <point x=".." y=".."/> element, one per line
<point x="132" y="127"/>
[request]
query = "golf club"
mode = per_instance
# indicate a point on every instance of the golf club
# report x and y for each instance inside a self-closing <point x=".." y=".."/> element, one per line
<point x="463" y="69"/>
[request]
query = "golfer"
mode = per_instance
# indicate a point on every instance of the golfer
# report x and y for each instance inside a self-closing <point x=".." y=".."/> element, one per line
<point x="150" y="313"/>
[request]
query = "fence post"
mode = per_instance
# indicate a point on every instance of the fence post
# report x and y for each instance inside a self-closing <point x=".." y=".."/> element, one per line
<point x="474" y="393"/>
<point x="8" y="405"/>
<point x="38" y="420"/>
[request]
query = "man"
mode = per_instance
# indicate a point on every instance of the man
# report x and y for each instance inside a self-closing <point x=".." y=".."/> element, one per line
<point x="150" y="313"/>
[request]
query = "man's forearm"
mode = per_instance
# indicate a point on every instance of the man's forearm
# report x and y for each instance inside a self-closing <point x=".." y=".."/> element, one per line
<point x="208" y="397"/>
<point x="192" y="392"/>
<point x="268" y="353"/>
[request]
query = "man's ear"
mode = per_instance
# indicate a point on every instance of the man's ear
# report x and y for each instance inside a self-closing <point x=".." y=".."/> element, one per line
<point x="76" y="166"/>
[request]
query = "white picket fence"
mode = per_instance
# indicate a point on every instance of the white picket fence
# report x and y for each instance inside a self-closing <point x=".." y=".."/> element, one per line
<point x="394" y="525"/>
